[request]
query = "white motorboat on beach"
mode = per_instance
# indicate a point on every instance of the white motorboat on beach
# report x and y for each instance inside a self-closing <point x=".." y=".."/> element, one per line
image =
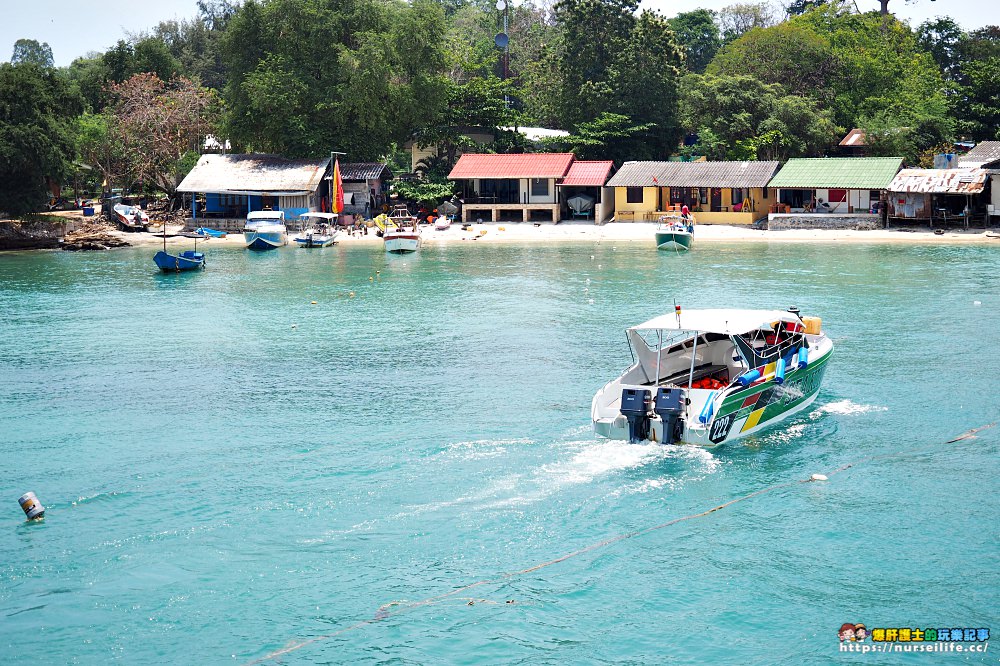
<point x="130" y="218"/>
<point x="321" y="233"/>
<point x="402" y="239"/>
<point x="265" y="230"/>
<point x="711" y="376"/>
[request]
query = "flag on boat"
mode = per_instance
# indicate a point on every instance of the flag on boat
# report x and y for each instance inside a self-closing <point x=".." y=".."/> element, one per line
<point x="337" y="194"/>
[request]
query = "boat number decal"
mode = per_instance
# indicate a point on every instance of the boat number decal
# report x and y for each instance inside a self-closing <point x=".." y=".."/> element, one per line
<point x="720" y="428"/>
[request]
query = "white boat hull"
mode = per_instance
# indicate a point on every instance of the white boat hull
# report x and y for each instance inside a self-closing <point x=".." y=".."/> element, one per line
<point x="265" y="240"/>
<point x="402" y="242"/>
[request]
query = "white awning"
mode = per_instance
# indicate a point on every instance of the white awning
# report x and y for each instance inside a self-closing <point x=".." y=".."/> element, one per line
<point x="320" y="215"/>
<point x="726" y="322"/>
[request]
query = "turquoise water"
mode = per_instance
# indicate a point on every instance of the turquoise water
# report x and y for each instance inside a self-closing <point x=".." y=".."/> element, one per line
<point x="230" y="470"/>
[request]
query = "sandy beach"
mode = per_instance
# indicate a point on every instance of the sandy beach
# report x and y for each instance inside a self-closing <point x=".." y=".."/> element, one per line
<point x="624" y="232"/>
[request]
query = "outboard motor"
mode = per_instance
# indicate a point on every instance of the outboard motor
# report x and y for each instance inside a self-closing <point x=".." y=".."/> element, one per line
<point x="669" y="406"/>
<point x="635" y="407"/>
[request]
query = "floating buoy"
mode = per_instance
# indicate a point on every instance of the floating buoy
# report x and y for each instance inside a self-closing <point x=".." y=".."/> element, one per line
<point x="818" y="477"/>
<point x="371" y="279"/>
<point x="591" y="301"/>
<point x="377" y="272"/>
<point x="351" y="294"/>
<point x="598" y="265"/>
<point x="977" y="302"/>
<point x="295" y="325"/>
<point x="312" y="302"/>
<point x="588" y="280"/>
<point x="591" y="257"/>
<point x="33" y="509"/>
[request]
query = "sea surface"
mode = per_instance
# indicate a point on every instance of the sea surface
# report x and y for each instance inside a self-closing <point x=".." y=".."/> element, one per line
<point x="304" y="457"/>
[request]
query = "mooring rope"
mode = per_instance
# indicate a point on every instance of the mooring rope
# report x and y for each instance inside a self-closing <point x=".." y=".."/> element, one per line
<point x="384" y="612"/>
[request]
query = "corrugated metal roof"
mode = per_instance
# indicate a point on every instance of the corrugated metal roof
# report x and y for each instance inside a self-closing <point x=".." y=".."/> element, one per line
<point x="856" y="137"/>
<point x="694" y="174"/>
<point x="253" y="174"/>
<point x="364" y="171"/>
<point x="523" y="165"/>
<point x="985" y="152"/>
<point x="587" y="173"/>
<point x="849" y="173"/>
<point x="939" y="181"/>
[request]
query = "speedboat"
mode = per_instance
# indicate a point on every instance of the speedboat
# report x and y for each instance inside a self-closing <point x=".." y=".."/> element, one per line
<point x="402" y="239"/>
<point x="707" y="377"/>
<point x="130" y="218"/>
<point x="322" y="233"/>
<point x="265" y="230"/>
<point x="674" y="233"/>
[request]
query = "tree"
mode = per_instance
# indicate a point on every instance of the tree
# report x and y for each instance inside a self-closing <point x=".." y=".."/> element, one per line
<point x="977" y="99"/>
<point x="738" y="19"/>
<point x="36" y="134"/>
<point x="157" y="123"/>
<point x="941" y="38"/>
<point x="32" y="52"/>
<point x="699" y="36"/>
<point x="644" y="77"/>
<point x="603" y="138"/>
<point x="797" y="7"/>
<point x="793" y="55"/>
<point x="740" y="117"/>
<point x="355" y="79"/>
<point x="592" y="33"/>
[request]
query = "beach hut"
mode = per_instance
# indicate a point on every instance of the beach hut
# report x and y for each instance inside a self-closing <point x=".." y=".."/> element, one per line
<point x="583" y="190"/>
<point x="986" y="155"/>
<point x="230" y="186"/>
<point x="718" y="192"/>
<point x="515" y="185"/>
<point x="938" y="196"/>
<point x="366" y="187"/>
<point x="842" y="185"/>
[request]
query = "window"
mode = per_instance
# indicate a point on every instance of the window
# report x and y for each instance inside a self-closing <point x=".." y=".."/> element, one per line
<point x="539" y="187"/>
<point x="703" y="195"/>
<point x="737" y="196"/>
<point x="633" y="195"/>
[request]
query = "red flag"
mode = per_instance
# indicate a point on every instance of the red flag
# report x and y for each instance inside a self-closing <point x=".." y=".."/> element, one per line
<point x="656" y="181"/>
<point x="337" y="185"/>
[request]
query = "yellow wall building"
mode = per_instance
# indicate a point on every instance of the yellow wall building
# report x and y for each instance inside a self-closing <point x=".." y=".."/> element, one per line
<point x="716" y="192"/>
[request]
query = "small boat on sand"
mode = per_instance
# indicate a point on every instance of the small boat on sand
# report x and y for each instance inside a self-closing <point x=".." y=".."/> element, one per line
<point x="442" y="222"/>
<point x="265" y="230"/>
<point x="711" y="376"/>
<point x="674" y="233"/>
<point x="321" y="233"/>
<point x="130" y="218"/>
<point x="210" y="233"/>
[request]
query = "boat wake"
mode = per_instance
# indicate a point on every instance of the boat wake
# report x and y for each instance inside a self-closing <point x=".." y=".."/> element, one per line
<point x="847" y="408"/>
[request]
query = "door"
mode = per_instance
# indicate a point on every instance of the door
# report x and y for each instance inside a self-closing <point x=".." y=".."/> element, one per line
<point x="716" y="199"/>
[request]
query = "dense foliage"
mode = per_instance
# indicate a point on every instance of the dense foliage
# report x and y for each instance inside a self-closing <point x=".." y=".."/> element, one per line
<point x="304" y="77"/>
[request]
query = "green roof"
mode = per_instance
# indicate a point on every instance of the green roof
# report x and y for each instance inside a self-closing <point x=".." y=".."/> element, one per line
<point x="849" y="173"/>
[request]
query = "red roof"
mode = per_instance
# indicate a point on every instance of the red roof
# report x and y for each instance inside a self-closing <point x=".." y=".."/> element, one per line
<point x="523" y="165"/>
<point x="588" y="174"/>
<point x="856" y="137"/>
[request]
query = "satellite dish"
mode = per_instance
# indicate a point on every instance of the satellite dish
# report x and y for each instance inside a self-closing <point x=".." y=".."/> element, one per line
<point x="501" y="5"/>
<point x="501" y="40"/>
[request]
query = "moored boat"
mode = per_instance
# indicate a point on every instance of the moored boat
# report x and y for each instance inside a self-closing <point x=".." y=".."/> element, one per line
<point x="711" y="376"/>
<point x="265" y="230"/>
<point x="674" y="233"/>
<point x="321" y="233"/>
<point x="402" y="239"/>
<point x="188" y="260"/>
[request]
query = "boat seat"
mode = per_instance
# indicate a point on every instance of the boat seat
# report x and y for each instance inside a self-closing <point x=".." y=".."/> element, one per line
<point x="700" y="371"/>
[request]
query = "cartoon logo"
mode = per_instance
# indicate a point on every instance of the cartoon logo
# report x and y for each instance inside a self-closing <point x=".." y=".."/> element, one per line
<point x="860" y="633"/>
<point x="846" y="632"/>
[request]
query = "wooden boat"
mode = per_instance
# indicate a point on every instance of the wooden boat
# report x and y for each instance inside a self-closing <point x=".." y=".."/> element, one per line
<point x="674" y="233"/>
<point x="711" y="376"/>
<point x="322" y="233"/>
<point x="265" y="230"/>
<point x="130" y="218"/>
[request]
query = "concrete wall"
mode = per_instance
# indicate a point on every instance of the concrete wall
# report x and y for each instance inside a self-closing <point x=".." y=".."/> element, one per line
<point x="786" y="221"/>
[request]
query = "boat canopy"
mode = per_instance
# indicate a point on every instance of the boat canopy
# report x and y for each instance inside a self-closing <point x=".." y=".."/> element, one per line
<point x="320" y="215"/>
<point x="724" y="321"/>
<point x="266" y="215"/>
